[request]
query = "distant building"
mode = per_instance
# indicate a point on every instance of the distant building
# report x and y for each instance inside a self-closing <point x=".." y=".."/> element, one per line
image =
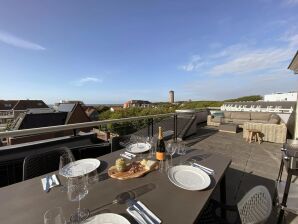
<point x="171" y="96"/>
<point x="136" y="103"/>
<point x="68" y="113"/>
<point x="91" y="112"/>
<point x="10" y="109"/>
<point x="291" y="96"/>
<point x="71" y="101"/>
<point x="113" y="109"/>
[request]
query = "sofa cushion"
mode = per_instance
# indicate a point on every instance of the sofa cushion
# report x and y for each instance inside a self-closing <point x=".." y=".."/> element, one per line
<point x="240" y="115"/>
<point x="227" y="120"/>
<point x="264" y="116"/>
<point x="274" y="119"/>
<point x="258" y="121"/>
<point x="227" y="114"/>
<point x="239" y="121"/>
<point x="217" y="119"/>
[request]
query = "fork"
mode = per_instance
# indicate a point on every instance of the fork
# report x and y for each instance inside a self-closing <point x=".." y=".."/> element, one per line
<point x="131" y="203"/>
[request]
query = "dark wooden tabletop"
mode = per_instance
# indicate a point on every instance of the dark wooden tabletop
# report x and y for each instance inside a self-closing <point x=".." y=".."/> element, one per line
<point x="26" y="202"/>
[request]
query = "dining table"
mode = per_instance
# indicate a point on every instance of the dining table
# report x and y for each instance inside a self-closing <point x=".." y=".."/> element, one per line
<point x="26" y="202"/>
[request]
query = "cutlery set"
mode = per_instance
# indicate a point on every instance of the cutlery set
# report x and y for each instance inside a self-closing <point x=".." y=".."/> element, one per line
<point x="49" y="182"/>
<point x="141" y="213"/>
<point x="128" y="155"/>
<point x="203" y="168"/>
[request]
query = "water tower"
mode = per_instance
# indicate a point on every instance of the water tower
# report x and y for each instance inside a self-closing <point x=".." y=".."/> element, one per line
<point x="171" y="96"/>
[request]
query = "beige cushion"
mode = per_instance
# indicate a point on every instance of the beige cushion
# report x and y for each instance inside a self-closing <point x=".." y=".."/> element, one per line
<point x="239" y="121"/>
<point x="274" y="119"/>
<point x="227" y="120"/>
<point x="258" y="121"/>
<point x="240" y="115"/>
<point x="217" y="119"/>
<point x="227" y="114"/>
<point x="264" y="116"/>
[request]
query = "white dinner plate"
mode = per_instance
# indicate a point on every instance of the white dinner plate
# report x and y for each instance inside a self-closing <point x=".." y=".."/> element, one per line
<point x="138" y="147"/>
<point x="188" y="177"/>
<point x="74" y="169"/>
<point x="107" y="218"/>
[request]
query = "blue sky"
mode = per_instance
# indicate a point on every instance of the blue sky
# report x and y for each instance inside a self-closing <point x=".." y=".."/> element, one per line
<point x="112" y="51"/>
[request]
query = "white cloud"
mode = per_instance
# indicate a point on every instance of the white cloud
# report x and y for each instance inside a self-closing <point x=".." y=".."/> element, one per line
<point x="12" y="40"/>
<point x="292" y="40"/>
<point x="291" y="2"/>
<point x="195" y="63"/>
<point x="86" y="80"/>
<point x="243" y="58"/>
<point x="253" y="61"/>
<point x="231" y="51"/>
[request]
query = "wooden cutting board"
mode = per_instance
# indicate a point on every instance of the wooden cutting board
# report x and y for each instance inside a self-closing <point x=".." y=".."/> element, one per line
<point x="114" y="173"/>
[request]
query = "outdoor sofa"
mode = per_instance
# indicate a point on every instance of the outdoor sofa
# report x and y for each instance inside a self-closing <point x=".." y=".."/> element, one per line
<point x="272" y="127"/>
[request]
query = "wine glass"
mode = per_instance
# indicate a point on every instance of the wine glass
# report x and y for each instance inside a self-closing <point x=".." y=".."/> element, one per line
<point x="77" y="190"/>
<point x="171" y="149"/>
<point x="54" y="216"/>
<point x="65" y="166"/>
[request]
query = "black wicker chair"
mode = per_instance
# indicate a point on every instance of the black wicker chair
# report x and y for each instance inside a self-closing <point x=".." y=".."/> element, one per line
<point x="91" y="151"/>
<point x="42" y="163"/>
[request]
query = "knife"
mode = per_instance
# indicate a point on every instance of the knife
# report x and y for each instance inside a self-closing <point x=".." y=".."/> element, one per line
<point x="47" y="183"/>
<point x="206" y="169"/>
<point x="144" y="215"/>
<point x="141" y="209"/>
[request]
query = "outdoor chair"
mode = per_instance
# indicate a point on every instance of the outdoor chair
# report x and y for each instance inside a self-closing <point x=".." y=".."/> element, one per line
<point x="254" y="208"/>
<point x="42" y="163"/>
<point x="91" y="151"/>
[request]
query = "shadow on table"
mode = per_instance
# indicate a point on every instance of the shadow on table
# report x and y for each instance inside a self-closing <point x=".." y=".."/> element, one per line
<point x="124" y="196"/>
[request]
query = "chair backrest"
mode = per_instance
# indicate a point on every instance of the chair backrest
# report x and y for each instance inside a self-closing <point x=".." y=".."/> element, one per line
<point x="255" y="207"/>
<point x="42" y="163"/>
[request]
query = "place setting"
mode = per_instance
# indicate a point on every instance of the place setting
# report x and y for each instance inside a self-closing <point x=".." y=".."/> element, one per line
<point x="188" y="175"/>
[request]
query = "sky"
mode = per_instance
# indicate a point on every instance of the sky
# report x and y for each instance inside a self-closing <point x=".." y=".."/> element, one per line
<point x="113" y="51"/>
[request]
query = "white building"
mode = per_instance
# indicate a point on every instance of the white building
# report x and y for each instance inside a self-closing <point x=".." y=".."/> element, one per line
<point x="291" y="96"/>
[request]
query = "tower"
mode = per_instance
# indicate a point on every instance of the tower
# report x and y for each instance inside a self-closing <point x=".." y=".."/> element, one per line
<point x="171" y="96"/>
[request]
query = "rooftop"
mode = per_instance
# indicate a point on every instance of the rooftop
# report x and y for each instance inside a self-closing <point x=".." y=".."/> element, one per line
<point x="252" y="164"/>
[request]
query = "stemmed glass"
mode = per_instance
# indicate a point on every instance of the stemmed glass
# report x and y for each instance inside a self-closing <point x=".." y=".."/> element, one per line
<point x="171" y="149"/>
<point x="54" y="216"/>
<point x="65" y="166"/>
<point x="77" y="190"/>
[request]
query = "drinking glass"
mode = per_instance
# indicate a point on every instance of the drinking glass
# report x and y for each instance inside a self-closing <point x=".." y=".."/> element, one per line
<point x="77" y="190"/>
<point x="171" y="149"/>
<point x="134" y="139"/>
<point x="54" y="216"/>
<point x="152" y="141"/>
<point x="65" y="164"/>
<point x="66" y="160"/>
<point x="181" y="148"/>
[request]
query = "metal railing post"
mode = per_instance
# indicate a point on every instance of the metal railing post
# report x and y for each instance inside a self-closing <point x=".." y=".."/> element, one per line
<point x="175" y="127"/>
<point x="148" y="127"/>
<point x="152" y="123"/>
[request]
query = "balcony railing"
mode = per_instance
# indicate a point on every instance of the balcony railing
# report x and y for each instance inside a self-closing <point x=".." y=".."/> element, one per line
<point x="77" y="126"/>
<point x="6" y="114"/>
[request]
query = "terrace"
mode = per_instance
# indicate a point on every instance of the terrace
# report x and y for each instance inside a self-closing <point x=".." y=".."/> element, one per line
<point x="251" y="164"/>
